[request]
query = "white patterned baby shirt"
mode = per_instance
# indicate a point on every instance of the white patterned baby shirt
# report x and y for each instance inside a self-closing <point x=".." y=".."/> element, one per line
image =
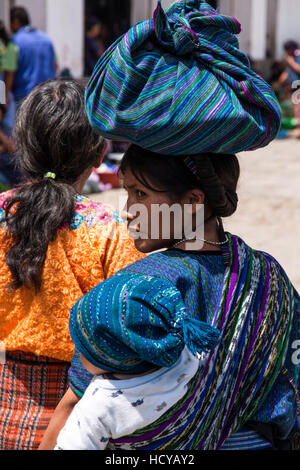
<point x="110" y="409"/>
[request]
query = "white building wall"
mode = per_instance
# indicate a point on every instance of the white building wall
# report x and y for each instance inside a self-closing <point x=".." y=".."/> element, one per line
<point x="65" y="25"/>
<point x="288" y="24"/>
<point x="143" y="9"/>
<point x="4" y="11"/>
<point x="37" y="10"/>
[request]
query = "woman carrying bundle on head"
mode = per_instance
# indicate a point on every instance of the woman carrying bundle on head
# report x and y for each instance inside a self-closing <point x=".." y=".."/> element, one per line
<point x="56" y="245"/>
<point x="180" y="90"/>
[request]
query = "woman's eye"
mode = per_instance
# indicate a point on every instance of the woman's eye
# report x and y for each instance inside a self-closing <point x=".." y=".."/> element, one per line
<point x="140" y="193"/>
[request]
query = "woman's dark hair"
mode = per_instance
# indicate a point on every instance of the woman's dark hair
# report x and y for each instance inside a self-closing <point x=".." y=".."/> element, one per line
<point x="53" y="135"/>
<point x="3" y="33"/>
<point x="217" y="176"/>
<point x="20" y="14"/>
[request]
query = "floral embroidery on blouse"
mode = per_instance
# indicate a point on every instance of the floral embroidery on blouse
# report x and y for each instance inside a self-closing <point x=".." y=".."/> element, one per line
<point x="91" y="213"/>
<point x="87" y="211"/>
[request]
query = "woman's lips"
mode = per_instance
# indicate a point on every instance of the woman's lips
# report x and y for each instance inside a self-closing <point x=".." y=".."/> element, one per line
<point x="135" y="229"/>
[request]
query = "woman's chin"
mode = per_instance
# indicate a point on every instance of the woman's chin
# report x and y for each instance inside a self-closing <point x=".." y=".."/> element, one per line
<point x="148" y="246"/>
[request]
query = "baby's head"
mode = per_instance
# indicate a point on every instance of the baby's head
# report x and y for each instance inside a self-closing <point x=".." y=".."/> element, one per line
<point x="130" y="324"/>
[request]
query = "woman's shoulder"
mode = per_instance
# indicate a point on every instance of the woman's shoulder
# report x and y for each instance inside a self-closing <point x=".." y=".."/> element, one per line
<point x="175" y="262"/>
<point x="3" y="199"/>
<point x="92" y="213"/>
<point x="5" y="195"/>
<point x="87" y="213"/>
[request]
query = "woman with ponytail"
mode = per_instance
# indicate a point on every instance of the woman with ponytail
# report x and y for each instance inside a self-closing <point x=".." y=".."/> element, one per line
<point x="56" y="245"/>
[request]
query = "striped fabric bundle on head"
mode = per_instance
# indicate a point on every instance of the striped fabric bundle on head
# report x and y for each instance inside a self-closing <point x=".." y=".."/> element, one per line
<point x="178" y="84"/>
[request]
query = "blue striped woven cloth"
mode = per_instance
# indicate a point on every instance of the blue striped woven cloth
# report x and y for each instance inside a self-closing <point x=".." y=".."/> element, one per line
<point x="179" y="84"/>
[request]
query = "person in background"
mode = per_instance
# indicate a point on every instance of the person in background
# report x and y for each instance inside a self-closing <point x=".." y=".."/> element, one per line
<point x="55" y="246"/>
<point x="9" y="175"/>
<point x="289" y="82"/>
<point x="36" y="58"/>
<point x="292" y="60"/>
<point x="94" y="46"/>
<point x="8" y="66"/>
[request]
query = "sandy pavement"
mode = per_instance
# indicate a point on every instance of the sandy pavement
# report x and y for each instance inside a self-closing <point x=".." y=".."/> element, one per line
<point x="268" y="215"/>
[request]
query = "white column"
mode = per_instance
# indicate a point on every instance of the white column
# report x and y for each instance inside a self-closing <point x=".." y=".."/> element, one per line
<point x="65" y="26"/>
<point x="4" y="12"/>
<point x="258" y="35"/>
<point x="243" y="13"/>
<point x="139" y="10"/>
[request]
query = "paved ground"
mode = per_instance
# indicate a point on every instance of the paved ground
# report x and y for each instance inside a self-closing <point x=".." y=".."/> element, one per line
<point x="268" y="216"/>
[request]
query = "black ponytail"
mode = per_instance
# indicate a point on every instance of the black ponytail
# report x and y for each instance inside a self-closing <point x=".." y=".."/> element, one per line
<point x="52" y="134"/>
<point x="42" y="208"/>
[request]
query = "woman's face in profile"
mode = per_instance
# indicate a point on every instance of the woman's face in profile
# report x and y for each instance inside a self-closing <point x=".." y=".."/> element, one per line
<point x="154" y="219"/>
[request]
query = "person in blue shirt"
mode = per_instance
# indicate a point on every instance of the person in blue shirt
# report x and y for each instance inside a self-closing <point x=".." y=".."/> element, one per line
<point x="9" y="173"/>
<point x="36" y="59"/>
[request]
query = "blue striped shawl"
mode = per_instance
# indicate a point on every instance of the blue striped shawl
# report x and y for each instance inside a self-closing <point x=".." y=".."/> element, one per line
<point x="255" y="314"/>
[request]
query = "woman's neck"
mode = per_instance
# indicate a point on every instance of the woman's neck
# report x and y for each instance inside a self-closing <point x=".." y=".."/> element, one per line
<point x="211" y="234"/>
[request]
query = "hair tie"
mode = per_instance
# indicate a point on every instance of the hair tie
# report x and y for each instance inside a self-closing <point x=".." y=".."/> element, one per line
<point x="50" y="175"/>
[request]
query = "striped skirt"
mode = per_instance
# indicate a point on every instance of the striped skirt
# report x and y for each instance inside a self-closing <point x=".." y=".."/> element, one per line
<point x="30" y="389"/>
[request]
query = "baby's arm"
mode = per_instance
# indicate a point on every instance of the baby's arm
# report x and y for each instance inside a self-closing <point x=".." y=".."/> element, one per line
<point x="85" y="429"/>
<point x="58" y="420"/>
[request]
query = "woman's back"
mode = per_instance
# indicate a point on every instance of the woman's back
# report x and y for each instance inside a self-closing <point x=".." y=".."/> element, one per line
<point x="93" y="245"/>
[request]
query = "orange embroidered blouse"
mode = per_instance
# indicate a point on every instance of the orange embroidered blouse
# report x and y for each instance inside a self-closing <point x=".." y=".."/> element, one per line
<point x="91" y="247"/>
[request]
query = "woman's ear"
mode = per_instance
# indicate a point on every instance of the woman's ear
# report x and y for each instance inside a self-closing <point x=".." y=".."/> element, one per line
<point x="194" y="197"/>
<point x="101" y="157"/>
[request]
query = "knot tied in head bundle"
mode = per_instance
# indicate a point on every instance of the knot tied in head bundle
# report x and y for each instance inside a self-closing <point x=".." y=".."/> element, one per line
<point x="175" y="30"/>
<point x="178" y="84"/>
